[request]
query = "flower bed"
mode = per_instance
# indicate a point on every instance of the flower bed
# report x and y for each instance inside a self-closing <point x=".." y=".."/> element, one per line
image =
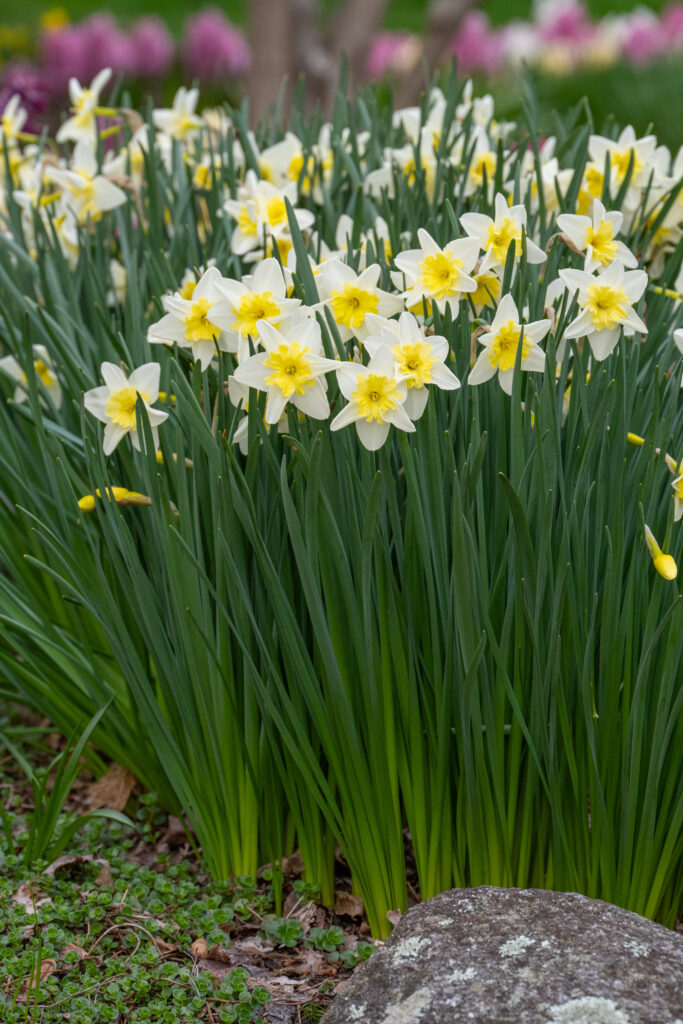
<point x="342" y="465"/>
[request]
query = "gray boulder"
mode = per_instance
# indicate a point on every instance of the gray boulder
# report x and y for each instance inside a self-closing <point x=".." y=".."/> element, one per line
<point x="527" y="956"/>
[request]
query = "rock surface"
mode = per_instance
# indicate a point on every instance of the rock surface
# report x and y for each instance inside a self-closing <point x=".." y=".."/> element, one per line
<point x="524" y="955"/>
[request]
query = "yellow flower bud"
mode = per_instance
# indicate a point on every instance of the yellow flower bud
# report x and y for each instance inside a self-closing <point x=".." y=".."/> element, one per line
<point x="666" y="567"/>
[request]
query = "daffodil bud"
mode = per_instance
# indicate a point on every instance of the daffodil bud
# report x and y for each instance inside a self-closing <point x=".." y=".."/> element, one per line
<point x="664" y="564"/>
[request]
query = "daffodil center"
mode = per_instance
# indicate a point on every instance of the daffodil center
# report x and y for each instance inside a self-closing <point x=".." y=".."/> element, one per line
<point x="245" y="222"/>
<point x="254" y="306"/>
<point x="415" y="362"/>
<point x="276" y="212"/>
<point x="187" y="291"/>
<point x="594" y="180"/>
<point x="291" y="369"/>
<point x="484" y="165"/>
<point x="376" y="395"/>
<point x="607" y="305"/>
<point x="488" y="290"/>
<point x="198" y="327"/>
<point x="619" y="163"/>
<point x="602" y="240"/>
<point x="500" y="236"/>
<point x="44" y="373"/>
<point x="351" y="304"/>
<point x="504" y="349"/>
<point x="120" y="408"/>
<point x="440" y="274"/>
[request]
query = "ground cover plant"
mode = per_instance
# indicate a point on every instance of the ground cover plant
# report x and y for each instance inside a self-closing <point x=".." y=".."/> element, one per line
<point x="342" y="466"/>
<point x="124" y="926"/>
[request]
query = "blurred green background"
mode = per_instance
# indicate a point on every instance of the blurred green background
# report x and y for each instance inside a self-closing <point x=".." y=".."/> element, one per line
<point x="642" y="96"/>
<point x="402" y="14"/>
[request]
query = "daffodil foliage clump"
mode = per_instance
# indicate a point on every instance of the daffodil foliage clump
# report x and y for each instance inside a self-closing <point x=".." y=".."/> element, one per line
<point x="345" y="462"/>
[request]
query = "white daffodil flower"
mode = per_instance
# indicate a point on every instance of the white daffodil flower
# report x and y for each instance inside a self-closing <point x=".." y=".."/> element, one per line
<point x="116" y="295"/>
<point x="377" y="235"/>
<point x="678" y="341"/>
<point x="85" y="193"/>
<point x="352" y="296"/>
<point x="643" y="155"/>
<point x="290" y="370"/>
<point x="419" y="359"/>
<point x="606" y="303"/>
<point x="115" y="403"/>
<point x="239" y="396"/>
<point x="194" y="322"/>
<point x="180" y="122"/>
<point x="676" y="469"/>
<point x="376" y="398"/>
<point x="12" y="121"/>
<point x="596" y="236"/>
<point x="436" y="274"/>
<point x="82" y="126"/>
<point x="42" y="365"/>
<point x="501" y="344"/>
<point x="260" y="213"/>
<point x="496" y="234"/>
<point x="263" y="296"/>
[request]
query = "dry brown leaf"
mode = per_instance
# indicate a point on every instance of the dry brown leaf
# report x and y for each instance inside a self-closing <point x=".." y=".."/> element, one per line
<point x="112" y="790"/>
<point x="47" y="967"/>
<point x="293" y="865"/>
<point x="394" y="916"/>
<point x="175" y="834"/>
<point x="73" y="947"/>
<point x="199" y="949"/>
<point x="29" y="897"/>
<point x="67" y="861"/>
<point x="104" y="875"/>
<point x="348" y="904"/>
<point x="164" y="947"/>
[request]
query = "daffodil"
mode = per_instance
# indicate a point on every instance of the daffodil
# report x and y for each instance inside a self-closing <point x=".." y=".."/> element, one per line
<point x="678" y="341"/>
<point x="195" y="322"/>
<point x="438" y="275"/>
<point x="121" y="495"/>
<point x="376" y="397"/>
<point x="260" y="212"/>
<point x="12" y="120"/>
<point x="115" y="404"/>
<point x="502" y="343"/>
<point x="496" y="234"/>
<point x="290" y="370"/>
<point x="44" y="371"/>
<point x="606" y="303"/>
<point x="262" y="296"/>
<point x="82" y="125"/>
<point x="596" y="236"/>
<point x="350" y="297"/>
<point x="180" y="122"/>
<point x="663" y="563"/>
<point x="85" y="192"/>
<point x="419" y="359"/>
<point x="642" y="156"/>
<point x="676" y="470"/>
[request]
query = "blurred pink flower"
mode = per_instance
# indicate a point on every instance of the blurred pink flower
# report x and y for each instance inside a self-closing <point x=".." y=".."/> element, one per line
<point x="476" y="46"/>
<point x="391" y="51"/>
<point x="564" y="21"/>
<point x="212" y="48"/>
<point x="153" y="47"/>
<point x="645" y="38"/>
<point x="672" y="22"/>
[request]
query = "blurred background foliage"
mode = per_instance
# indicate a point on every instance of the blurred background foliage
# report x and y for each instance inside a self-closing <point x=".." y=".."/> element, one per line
<point x="649" y="96"/>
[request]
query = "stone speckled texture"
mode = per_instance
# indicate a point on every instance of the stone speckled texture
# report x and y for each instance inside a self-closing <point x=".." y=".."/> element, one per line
<point x="526" y="956"/>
